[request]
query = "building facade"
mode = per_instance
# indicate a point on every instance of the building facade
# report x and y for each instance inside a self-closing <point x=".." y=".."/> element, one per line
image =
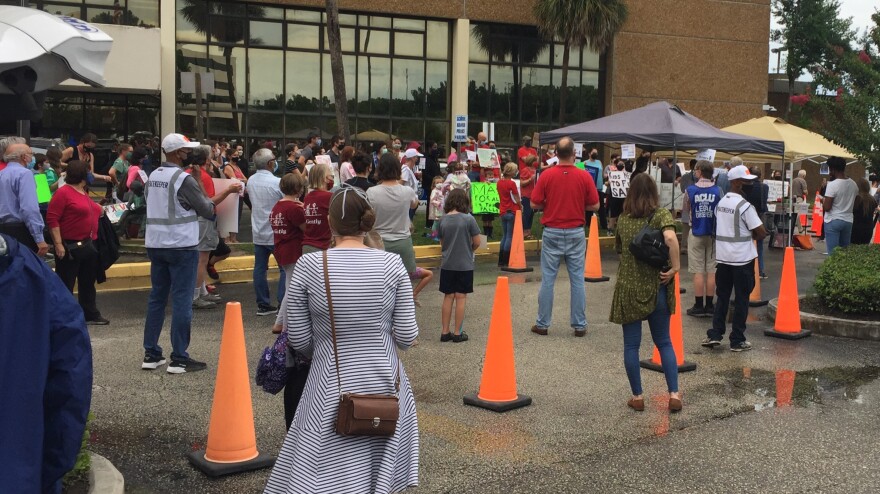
<point x="408" y="70"/>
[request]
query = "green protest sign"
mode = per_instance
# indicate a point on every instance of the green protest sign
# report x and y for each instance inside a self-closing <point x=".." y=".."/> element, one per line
<point x="484" y="198"/>
<point x="43" y="192"/>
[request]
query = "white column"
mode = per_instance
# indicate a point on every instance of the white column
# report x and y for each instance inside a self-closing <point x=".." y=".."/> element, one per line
<point x="167" y="88"/>
<point x="461" y="43"/>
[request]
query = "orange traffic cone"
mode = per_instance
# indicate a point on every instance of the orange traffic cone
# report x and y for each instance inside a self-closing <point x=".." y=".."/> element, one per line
<point x="675" y="333"/>
<point x="877" y="233"/>
<point x="784" y="387"/>
<point x="755" y="299"/>
<point x="232" y="442"/>
<point x="817" y="216"/>
<point x="498" y="385"/>
<point x="788" y="312"/>
<point x="517" y="261"/>
<point x="593" y="264"/>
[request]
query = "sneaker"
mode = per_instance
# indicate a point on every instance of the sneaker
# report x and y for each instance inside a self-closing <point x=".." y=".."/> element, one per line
<point x="184" y="366"/>
<point x="741" y="347"/>
<point x="763" y="276"/>
<point x="580" y="333"/>
<point x="697" y="311"/>
<point x="446" y="337"/>
<point x="458" y="338"/>
<point x="266" y="310"/>
<point x="200" y="303"/>
<point x="212" y="272"/>
<point x="710" y="343"/>
<point x="152" y="362"/>
<point x="98" y="321"/>
<point x="211" y="297"/>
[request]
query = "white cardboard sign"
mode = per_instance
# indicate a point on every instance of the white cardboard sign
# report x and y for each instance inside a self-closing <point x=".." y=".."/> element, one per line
<point x="628" y="151"/>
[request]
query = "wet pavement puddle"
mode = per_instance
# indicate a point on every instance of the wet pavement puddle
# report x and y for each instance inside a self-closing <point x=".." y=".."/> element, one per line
<point x="784" y="388"/>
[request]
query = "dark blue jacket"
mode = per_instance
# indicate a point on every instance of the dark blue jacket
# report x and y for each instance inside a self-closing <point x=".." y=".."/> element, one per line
<point x="45" y="375"/>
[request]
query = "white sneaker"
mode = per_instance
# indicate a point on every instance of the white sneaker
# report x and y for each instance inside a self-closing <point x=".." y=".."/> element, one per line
<point x="203" y="304"/>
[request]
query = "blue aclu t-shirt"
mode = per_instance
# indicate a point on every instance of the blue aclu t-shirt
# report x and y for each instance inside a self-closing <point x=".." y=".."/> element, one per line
<point x="703" y="201"/>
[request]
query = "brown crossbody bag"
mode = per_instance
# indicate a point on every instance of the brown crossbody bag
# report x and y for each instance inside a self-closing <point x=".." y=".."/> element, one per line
<point x="361" y="415"/>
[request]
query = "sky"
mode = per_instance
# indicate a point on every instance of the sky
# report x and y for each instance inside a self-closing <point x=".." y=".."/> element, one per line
<point x="859" y="10"/>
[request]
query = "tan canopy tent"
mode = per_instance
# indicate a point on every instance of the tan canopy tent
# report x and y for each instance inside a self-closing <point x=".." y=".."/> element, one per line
<point x="372" y="135"/>
<point x="800" y="144"/>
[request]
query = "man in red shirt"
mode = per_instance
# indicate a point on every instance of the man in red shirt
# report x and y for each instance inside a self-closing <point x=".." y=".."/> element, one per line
<point x="564" y="192"/>
<point x="525" y="150"/>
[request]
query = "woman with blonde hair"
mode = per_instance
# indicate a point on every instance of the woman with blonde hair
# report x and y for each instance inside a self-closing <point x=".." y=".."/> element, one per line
<point x="636" y="298"/>
<point x="316" y="205"/>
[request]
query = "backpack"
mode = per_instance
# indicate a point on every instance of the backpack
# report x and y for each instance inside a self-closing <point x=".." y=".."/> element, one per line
<point x="649" y="245"/>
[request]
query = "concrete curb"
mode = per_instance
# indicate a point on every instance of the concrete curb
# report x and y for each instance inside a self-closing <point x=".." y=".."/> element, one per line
<point x="104" y="478"/>
<point x="832" y="326"/>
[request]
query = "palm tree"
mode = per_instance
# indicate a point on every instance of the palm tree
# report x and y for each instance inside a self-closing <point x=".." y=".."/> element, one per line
<point x="336" y="68"/>
<point x="579" y="23"/>
<point x="227" y="26"/>
<point x="522" y="43"/>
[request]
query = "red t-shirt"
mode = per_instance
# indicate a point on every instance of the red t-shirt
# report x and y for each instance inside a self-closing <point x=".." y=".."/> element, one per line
<point x="69" y="211"/>
<point x="286" y="218"/>
<point x="507" y="189"/>
<point x="523" y="152"/>
<point x="525" y="174"/>
<point x="564" y="192"/>
<point x="316" y="206"/>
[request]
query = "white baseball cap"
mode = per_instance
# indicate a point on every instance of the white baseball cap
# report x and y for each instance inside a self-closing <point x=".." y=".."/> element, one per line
<point x="173" y="142"/>
<point x="740" y="172"/>
<point x="412" y="153"/>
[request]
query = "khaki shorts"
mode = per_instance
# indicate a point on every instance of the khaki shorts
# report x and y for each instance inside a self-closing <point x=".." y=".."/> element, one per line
<point x="701" y="253"/>
<point x="208" y="236"/>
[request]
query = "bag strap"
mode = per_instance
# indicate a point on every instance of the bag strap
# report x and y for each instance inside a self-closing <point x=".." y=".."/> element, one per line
<point x="333" y="331"/>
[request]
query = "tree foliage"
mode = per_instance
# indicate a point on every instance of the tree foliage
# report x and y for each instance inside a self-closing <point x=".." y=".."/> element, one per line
<point x="809" y="31"/>
<point x="579" y="23"/>
<point x="851" y="117"/>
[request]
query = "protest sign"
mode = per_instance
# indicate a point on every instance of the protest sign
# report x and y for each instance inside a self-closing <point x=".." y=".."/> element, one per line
<point x="43" y="192"/>
<point x="578" y="149"/>
<point x="227" y="211"/>
<point x="460" y="130"/>
<point x="472" y="155"/>
<point x="627" y="151"/>
<point x="706" y="155"/>
<point x="323" y="158"/>
<point x="488" y="158"/>
<point x="670" y="197"/>
<point x="422" y="163"/>
<point x="552" y="161"/>
<point x="484" y="198"/>
<point x="114" y="212"/>
<point x="619" y="183"/>
<point x="778" y="190"/>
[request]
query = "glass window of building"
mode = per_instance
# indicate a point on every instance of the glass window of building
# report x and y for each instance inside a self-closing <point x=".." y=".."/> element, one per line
<point x="142" y="13"/>
<point x="274" y="78"/>
<point x="515" y="78"/>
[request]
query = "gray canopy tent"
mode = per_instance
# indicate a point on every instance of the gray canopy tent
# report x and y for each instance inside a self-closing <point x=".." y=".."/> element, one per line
<point x="662" y="126"/>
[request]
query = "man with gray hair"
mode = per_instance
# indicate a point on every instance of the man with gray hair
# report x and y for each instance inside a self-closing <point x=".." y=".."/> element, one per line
<point x="5" y="143"/>
<point x="721" y="174"/>
<point x="264" y="189"/>
<point x="20" y="216"/>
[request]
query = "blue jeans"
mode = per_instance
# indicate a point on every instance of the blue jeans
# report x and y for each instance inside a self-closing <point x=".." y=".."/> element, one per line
<point x="474" y="176"/>
<point x="507" y="220"/>
<point x="837" y="234"/>
<point x="171" y="271"/>
<point x="658" y="321"/>
<point x="261" y="267"/>
<point x="527" y="213"/>
<point x="560" y="244"/>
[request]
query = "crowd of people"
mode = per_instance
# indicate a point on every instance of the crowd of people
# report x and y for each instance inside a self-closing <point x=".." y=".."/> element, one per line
<point x="339" y="223"/>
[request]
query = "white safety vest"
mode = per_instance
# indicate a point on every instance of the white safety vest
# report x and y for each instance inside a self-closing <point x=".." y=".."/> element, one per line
<point x="169" y="225"/>
<point x="734" y="220"/>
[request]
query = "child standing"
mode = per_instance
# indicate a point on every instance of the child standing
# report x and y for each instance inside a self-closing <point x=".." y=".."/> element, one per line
<point x="435" y="204"/>
<point x="509" y="204"/>
<point x="459" y="238"/>
<point x="288" y="224"/>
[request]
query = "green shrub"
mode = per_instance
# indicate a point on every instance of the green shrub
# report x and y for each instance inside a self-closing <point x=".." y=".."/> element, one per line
<point x="83" y="461"/>
<point x="849" y="280"/>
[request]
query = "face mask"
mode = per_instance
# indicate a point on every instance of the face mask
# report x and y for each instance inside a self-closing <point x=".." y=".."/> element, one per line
<point x="483" y="142"/>
<point x="318" y="142"/>
<point x="384" y="150"/>
<point x="396" y="146"/>
<point x="275" y="170"/>
<point x="127" y="156"/>
<point x="330" y="184"/>
<point x="32" y="163"/>
<point x="188" y="160"/>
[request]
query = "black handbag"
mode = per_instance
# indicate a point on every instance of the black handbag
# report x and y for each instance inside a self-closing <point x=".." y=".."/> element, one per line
<point x="649" y="245"/>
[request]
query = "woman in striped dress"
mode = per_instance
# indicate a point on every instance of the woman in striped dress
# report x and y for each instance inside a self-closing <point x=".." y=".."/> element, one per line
<point x="374" y="311"/>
